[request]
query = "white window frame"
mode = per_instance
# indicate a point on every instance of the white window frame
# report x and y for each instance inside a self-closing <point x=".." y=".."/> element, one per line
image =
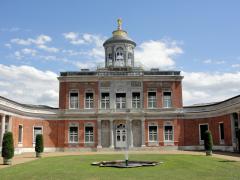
<point x="201" y="142"/>
<point x="73" y="125"/>
<point x="163" y="100"/>
<point x="152" y="103"/>
<point x="34" y="138"/>
<point x="105" y="101"/>
<point x="121" y="100"/>
<point x="89" y="100"/>
<point x="21" y="142"/>
<point x="136" y="100"/>
<point x="152" y="141"/>
<point x="88" y="125"/>
<point x="69" y="98"/>
<point x="167" y="140"/>
<point x="221" y="141"/>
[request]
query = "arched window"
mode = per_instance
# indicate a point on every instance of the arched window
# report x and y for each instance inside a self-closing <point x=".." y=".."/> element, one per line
<point x="119" y="53"/>
<point x="119" y="57"/>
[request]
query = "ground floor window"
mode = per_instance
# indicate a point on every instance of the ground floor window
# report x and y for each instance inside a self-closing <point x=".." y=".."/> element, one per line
<point x="168" y="133"/>
<point x="89" y="134"/>
<point x="152" y="133"/>
<point x="221" y="132"/>
<point x="73" y="134"/>
<point x="202" y="129"/>
<point x="20" y="134"/>
<point x="36" y="131"/>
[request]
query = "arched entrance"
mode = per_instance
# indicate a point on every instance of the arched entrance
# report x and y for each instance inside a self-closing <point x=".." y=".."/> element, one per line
<point x="121" y="135"/>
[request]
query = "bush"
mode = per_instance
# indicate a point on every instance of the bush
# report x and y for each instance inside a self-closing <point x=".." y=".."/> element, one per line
<point x="39" y="143"/>
<point x="208" y="143"/>
<point x="7" y="146"/>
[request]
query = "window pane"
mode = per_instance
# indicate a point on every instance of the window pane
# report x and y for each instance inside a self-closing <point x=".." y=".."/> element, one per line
<point x="203" y="129"/>
<point x="167" y="100"/>
<point x="73" y="134"/>
<point x="74" y="100"/>
<point x="152" y="133"/>
<point x="20" y="130"/>
<point x="222" y="131"/>
<point x="105" y="101"/>
<point x="152" y="100"/>
<point x="168" y="131"/>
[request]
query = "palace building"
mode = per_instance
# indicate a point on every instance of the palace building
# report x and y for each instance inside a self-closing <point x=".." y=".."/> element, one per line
<point x="121" y="105"/>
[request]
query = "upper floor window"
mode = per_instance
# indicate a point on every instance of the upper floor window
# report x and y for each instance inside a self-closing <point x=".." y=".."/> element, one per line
<point x="152" y="100"/>
<point x="73" y="100"/>
<point x="136" y="100"/>
<point x="89" y="101"/>
<point x="167" y="99"/>
<point x="121" y="100"/>
<point x="105" y="101"/>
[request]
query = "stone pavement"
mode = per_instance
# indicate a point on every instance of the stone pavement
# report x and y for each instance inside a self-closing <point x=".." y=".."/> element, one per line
<point x="26" y="157"/>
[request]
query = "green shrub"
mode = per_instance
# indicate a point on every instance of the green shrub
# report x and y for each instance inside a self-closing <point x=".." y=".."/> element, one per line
<point x="208" y="142"/>
<point x="7" y="146"/>
<point x="39" y="143"/>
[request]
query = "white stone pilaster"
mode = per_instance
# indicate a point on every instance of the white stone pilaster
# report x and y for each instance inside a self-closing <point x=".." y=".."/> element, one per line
<point x="9" y="124"/>
<point x="111" y="134"/>
<point x="99" y="127"/>
<point x="143" y="132"/>
<point x="3" y="119"/>
<point x="130" y="133"/>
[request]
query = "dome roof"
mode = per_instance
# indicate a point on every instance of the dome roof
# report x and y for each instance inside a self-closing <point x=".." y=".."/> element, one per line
<point x="119" y="35"/>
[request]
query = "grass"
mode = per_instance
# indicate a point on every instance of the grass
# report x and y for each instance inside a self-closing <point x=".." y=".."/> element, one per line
<point x="78" y="167"/>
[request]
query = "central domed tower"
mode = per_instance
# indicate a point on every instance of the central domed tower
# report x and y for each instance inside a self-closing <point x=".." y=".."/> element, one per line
<point x="119" y="49"/>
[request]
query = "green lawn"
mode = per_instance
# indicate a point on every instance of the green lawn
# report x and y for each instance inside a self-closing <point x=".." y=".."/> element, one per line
<point x="78" y="167"/>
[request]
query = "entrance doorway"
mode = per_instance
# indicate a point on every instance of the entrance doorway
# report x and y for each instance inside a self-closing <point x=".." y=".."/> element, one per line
<point x="121" y="136"/>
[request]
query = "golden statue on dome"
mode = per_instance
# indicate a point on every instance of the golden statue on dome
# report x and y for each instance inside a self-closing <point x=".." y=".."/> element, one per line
<point x="119" y="21"/>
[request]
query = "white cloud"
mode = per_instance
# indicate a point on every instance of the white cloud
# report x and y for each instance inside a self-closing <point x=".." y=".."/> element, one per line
<point x="202" y="87"/>
<point x="8" y="45"/>
<point x="24" y="52"/>
<point x="211" y="61"/>
<point x="40" y="42"/>
<point x="158" y="54"/>
<point x="236" y="65"/>
<point x="86" y="38"/>
<point x="28" y="85"/>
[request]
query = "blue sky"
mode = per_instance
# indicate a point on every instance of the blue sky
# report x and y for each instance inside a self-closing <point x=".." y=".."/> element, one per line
<point x="201" y="36"/>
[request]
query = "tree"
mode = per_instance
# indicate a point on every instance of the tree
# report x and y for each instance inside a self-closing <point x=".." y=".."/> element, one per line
<point x="7" y="148"/>
<point x="208" y="143"/>
<point x="39" y="145"/>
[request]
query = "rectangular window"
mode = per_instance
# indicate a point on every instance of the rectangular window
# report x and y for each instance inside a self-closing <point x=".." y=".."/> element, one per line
<point x="73" y="134"/>
<point x="73" y="100"/>
<point x="89" y="101"/>
<point x="36" y="130"/>
<point x="203" y="129"/>
<point x="167" y="99"/>
<point x="121" y="100"/>
<point x="152" y="132"/>
<point x="20" y="134"/>
<point x="221" y="129"/>
<point x="89" y="134"/>
<point x="168" y="133"/>
<point x="152" y="100"/>
<point x="135" y="100"/>
<point x="105" y="101"/>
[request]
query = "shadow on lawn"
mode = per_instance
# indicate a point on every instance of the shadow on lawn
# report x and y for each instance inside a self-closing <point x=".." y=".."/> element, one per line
<point x="227" y="161"/>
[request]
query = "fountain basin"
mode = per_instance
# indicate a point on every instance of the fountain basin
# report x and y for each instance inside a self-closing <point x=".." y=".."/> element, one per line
<point x="122" y="164"/>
